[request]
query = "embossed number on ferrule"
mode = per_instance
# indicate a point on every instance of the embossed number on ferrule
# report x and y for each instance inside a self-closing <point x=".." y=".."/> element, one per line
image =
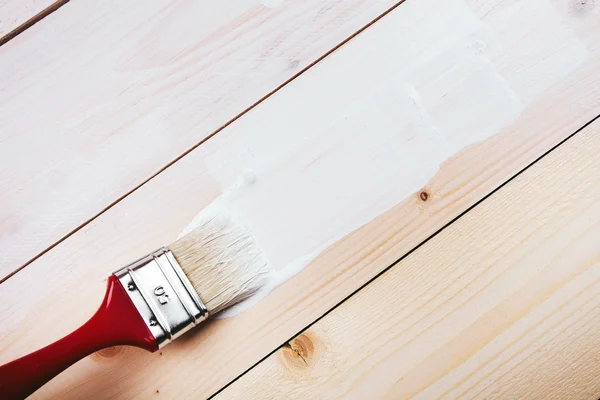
<point x="163" y="298"/>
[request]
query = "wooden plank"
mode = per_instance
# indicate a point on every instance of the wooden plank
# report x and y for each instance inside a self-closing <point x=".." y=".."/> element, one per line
<point x="504" y="303"/>
<point x="102" y="95"/>
<point x="18" y="15"/>
<point x="324" y="173"/>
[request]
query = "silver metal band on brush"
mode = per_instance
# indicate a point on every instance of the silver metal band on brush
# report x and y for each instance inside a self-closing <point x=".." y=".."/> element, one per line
<point x="163" y="295"/>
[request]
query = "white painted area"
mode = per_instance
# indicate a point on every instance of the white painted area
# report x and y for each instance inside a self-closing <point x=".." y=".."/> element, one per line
<point x="341" y="149"/>
<point x="535" y="58"/>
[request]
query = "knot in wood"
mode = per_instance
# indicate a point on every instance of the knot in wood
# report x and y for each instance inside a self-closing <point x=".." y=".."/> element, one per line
<point x="299" y="353"/>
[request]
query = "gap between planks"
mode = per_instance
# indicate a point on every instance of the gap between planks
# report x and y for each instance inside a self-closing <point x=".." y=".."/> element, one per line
<point x="28" y="22"/>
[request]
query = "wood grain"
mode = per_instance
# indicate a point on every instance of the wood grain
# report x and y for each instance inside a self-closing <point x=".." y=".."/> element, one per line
<point x="102" y="95"/>
<point x="502" y="304"/>
<point x="332" y="171"/>
<point x="18" y="15"/>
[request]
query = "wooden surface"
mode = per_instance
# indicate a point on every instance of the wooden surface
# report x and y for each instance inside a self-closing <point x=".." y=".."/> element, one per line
<point x="502" y="304"/>
<point x="338" y="174"/>
<point x="105" y="94"/>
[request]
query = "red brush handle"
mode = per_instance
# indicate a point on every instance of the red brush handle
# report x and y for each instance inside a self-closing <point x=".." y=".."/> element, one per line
<point x="116" y="322"/>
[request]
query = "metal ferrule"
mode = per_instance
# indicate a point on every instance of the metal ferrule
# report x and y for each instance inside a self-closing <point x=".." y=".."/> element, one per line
<point x="163" y="295"/>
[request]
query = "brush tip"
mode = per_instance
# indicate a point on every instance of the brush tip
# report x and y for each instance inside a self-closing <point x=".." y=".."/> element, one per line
<point x="222" y="261"/>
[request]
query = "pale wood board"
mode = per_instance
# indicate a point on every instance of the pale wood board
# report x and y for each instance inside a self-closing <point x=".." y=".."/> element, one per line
<point x="15" y="14"/>
<point x="336" y="142"/>
<point x="502" y="304"/>
<point x="101" y="95"/>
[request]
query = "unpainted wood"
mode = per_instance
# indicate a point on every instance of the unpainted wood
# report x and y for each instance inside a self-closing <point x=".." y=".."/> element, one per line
<point x="502" y="304"/>
<point x="335" y="156"/>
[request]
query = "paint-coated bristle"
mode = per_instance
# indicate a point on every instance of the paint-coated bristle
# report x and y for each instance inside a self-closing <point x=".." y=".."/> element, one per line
<point x="222" y="262"/>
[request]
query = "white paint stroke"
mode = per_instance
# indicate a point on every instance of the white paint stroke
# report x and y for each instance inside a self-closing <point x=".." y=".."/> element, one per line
<point x="362" y="131"/>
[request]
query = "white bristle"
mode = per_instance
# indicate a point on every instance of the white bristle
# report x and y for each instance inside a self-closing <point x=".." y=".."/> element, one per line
<point x="223" y="263"/>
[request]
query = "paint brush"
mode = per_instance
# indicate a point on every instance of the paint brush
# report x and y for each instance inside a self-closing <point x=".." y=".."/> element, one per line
<point x="152" y="301"/>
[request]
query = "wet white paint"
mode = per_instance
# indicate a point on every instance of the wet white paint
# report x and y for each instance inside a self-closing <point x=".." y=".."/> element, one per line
<point x="365" y="129"/>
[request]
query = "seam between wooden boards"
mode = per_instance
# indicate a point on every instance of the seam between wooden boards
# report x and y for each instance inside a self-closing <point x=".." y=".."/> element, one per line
<point x="32" y="21"/>
<point x="189" y="150"/>
<point x="407" y="254"/>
